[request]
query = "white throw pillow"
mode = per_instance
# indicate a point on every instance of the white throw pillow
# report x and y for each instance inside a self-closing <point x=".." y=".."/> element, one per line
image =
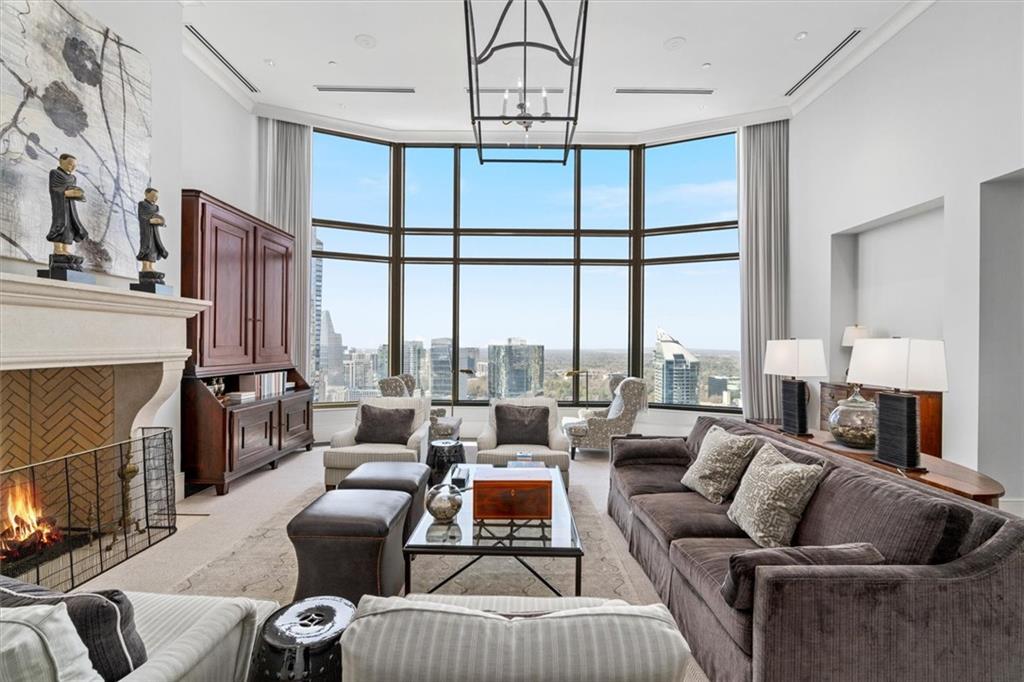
<point x="39" y="644"/>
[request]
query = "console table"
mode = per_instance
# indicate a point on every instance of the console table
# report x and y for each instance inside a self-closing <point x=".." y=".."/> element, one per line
<point x="941" y="473"/>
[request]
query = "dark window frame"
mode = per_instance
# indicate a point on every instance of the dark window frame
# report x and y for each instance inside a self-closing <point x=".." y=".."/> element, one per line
<point x="635" y="262"/>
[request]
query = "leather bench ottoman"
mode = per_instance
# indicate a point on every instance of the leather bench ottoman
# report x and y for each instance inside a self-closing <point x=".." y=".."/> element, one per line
<point x="349" y="543"/>
<point x="406" y="477"/>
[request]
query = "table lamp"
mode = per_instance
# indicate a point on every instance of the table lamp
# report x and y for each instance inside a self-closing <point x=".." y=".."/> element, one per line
<point x="902" y="365"/>
<point x="796" y="359"/>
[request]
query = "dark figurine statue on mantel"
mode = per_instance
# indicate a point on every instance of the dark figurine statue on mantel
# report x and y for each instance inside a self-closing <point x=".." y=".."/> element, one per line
<point x="151" y="246"/>
<point x="65" y="226"/>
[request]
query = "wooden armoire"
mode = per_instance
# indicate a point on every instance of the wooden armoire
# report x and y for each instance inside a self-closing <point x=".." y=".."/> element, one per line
<point x="244" y="266"/>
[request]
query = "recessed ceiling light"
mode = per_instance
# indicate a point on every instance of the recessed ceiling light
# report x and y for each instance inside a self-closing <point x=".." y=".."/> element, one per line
<point x="332" y="63"/>
<point x="706" y="65"/>
<point x="674" y="43"/>
<point x="702" y="107"/>
<point x="366" y="41"/>
<point x="268" y="62"/>
<point x="800" y="36"/>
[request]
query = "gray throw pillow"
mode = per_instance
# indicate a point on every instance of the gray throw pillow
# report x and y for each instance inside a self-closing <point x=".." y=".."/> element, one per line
<point x="385" y="424"/>
<point x="772" y="497"/>
<point x="719" y="464"/>
<point x="521" y="424"/>
<point x="738" y="588"/>
<point x="104" y="620"/>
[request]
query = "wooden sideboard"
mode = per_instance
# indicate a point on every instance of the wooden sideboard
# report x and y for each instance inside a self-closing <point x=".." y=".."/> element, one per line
<point x="940" y="473"/>
<point x="244" y="266"/>
<point x="929" y="409"/>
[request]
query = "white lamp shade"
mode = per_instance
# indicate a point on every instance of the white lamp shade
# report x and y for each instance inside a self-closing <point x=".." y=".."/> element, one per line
<point x="795" y="358"/>
<point x="851" y="334"/>
<point x="906" y="364"/>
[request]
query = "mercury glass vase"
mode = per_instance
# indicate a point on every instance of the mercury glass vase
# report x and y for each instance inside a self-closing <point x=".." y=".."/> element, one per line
<point x="443" y="501"/>
<point x="854" y="422"/>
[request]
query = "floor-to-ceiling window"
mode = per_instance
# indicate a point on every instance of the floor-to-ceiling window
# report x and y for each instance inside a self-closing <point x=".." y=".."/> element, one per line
<point x="521" y="278"/>
<point x="691" y="302"/>
<point x="351" y="201"/>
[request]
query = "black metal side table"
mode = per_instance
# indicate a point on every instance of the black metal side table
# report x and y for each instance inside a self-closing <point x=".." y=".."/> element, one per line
<point x="441" y="455"/>
<point x="302" y="641"/>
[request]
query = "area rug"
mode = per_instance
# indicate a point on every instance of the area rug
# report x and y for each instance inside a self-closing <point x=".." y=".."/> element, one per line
<point x="262" y="565"/>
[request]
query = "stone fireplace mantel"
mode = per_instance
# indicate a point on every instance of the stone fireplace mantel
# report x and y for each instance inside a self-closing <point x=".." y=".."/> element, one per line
<point x="51" y="324"/>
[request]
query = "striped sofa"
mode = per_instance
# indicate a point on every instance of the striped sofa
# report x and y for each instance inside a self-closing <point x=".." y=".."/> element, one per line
<point x="196" y="639"/>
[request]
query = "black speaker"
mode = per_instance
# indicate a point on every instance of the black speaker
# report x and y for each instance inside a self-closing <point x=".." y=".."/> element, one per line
<point x="794" y="406"/>
<point x="898" y="442"/>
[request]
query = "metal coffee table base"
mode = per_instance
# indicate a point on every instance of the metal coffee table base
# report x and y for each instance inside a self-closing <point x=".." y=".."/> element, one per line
<point x="531" y="569"/>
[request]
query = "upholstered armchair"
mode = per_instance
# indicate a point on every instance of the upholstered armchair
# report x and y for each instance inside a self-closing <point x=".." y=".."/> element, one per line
<point x="595" y="428"/>
<point x="345" y="454"/>
<point x="554" y="453"/>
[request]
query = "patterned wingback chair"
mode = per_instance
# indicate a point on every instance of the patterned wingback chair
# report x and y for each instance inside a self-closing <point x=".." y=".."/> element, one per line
<point x="393" y="387"/>
<point x="410" y="383"/>
<point x="617" y="420"/>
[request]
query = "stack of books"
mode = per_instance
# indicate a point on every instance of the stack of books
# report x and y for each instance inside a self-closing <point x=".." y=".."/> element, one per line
<point x="235" y="397"/>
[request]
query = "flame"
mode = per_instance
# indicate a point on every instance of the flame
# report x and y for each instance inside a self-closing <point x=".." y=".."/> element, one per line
<point x="22" y="519"/>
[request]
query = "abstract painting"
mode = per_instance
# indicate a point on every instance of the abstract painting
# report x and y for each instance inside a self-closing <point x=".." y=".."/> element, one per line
<point x="70" y="85"/>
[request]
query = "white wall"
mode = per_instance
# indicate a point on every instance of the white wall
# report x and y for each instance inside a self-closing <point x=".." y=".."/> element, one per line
<point x="218" y="152"/>
<point x="933" y="113"/>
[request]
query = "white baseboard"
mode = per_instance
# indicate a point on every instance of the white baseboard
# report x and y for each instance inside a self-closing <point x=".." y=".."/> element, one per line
<point x="1014" y="505"/>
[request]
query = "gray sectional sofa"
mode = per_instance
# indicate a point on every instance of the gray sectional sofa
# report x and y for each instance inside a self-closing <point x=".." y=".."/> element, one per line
<point x="948" y="603"/>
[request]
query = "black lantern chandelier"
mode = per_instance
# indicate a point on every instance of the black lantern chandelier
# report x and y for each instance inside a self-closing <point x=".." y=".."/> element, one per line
<point x="538" y="60"/>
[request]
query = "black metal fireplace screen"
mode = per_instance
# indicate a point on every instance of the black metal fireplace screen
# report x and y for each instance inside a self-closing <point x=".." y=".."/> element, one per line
<point x="66" y="520"/>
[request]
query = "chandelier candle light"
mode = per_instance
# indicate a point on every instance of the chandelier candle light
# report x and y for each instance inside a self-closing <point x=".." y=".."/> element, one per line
<point x="500" y="47"/>
<point x="796" y="359"/>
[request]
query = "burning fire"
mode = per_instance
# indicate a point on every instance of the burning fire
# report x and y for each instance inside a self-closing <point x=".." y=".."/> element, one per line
<point x="26" y="530"/>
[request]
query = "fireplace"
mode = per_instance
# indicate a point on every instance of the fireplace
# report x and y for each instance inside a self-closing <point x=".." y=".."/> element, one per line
<point x="63" y="521"/>
<point x="87" y="477"/>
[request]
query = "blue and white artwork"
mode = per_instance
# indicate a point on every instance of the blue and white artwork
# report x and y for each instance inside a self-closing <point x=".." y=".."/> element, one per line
<point x="69" y="84"/>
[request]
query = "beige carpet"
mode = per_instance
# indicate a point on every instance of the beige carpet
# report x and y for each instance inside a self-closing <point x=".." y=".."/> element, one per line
<point x="262" y="565"/>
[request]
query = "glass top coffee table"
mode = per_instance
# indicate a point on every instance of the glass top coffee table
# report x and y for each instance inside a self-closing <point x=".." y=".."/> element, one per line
<point x="555" y="537"/>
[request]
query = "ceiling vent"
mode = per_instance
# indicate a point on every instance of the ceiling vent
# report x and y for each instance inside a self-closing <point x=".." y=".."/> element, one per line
<point x="817" y="67"/>
<point x="365" y="88"/>
<point x="221" y="58"/>
<point x="664" y="91"/>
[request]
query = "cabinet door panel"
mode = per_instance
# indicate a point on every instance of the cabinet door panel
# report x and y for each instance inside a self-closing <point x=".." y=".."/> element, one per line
<point x="253" y="431"/>
<point x="296" y="421"/>
<point x="273" y="297"/>
<point x="227" y="277"/>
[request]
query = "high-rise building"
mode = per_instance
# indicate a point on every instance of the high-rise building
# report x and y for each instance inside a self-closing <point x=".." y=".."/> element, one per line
<point x="515" y="369"/>
<point x="469" y="358"/>
<point x="414" y="362"/>
<point x="441" y="367"/>
<point x="676" y="372"/>
<point x="316" y="295"/>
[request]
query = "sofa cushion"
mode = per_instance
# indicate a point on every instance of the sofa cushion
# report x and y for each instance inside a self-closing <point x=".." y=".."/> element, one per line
<point x="638" y="450"/>
<point x="906" y="525"/>
<point x="443" y="643"/>
<point x="385" y="424"/>
<point x="670" y="516"/>
<point x="105" y="620"/>
<point x="653" y="478"/>
<point x="738" y="587"/>
<point x="720" y="463"/>
<point x="39" y="644"/>
<point x="534" y="401"/>
<point x="521" y="424"/>
<point x="772" y="496"/>
<point x="704" y="563"/>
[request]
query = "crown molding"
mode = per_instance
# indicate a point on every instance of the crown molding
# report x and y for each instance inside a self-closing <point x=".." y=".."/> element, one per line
<point x="886" y="32"/>
<point x="654" y="136"/>
<point x="214" y="70"/>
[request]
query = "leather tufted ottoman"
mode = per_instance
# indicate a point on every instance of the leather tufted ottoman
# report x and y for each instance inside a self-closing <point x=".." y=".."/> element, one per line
<point x="407" y="477"/>
<point x="349" y="543"/>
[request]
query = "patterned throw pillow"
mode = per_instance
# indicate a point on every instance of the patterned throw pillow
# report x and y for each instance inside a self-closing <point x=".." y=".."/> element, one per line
<point x="719" y="464"/>
<point x="772" y="497"/>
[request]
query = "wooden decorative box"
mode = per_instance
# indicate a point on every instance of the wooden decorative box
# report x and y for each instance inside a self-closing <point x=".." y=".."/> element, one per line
<point x="522" y="494"/>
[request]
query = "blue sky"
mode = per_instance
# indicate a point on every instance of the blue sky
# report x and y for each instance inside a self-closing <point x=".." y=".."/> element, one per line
<point x="685" y="183"/>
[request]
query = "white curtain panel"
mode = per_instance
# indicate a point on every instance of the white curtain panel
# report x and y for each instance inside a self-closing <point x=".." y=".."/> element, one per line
<point x="764" y="259"/>
<point x="284" y="176"/>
